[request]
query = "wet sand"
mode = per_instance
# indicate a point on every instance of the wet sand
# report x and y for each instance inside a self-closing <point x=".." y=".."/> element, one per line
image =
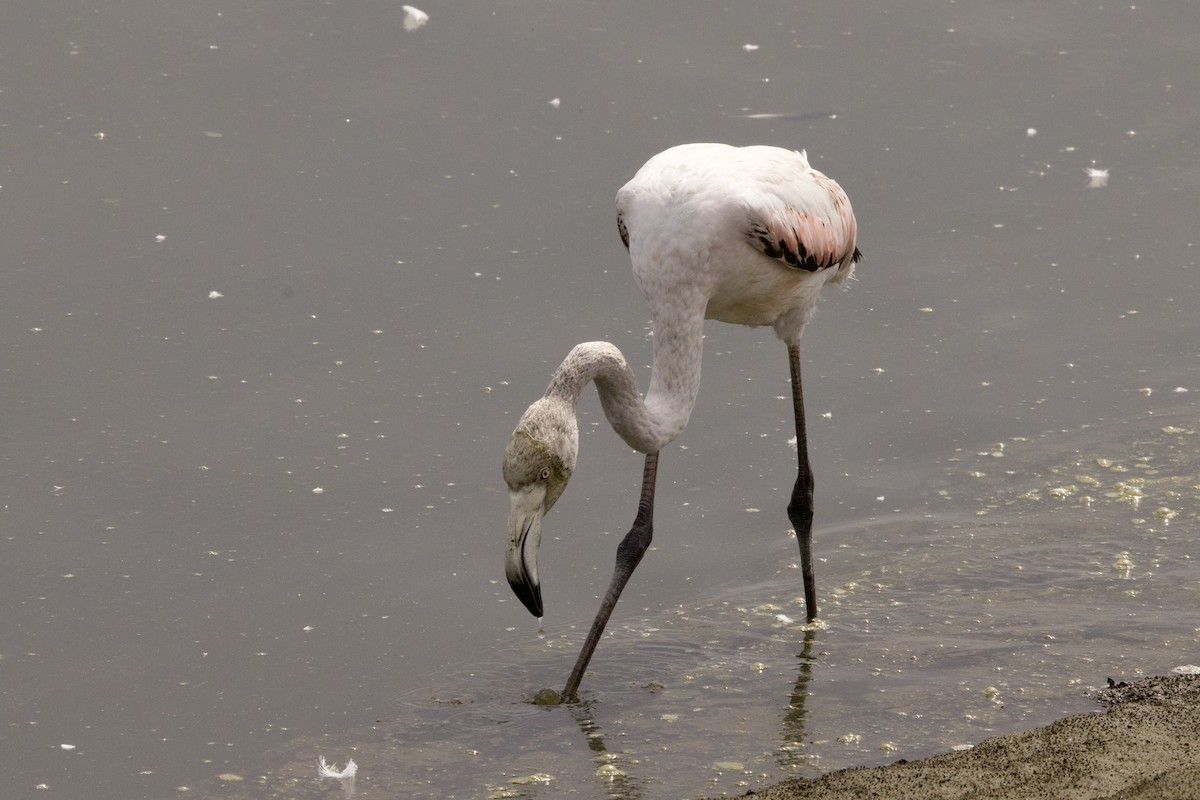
<point x="1146" y="746"/>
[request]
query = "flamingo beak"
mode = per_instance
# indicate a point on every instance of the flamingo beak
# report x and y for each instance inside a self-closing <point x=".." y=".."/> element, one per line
<point x="524" y="539"/>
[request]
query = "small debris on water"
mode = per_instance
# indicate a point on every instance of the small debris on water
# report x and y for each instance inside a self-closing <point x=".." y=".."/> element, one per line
<point x="414" y="17"/>
<point x="326" y="771"/>
<point x="537" y="777"/>
<point x="547" y="697"/>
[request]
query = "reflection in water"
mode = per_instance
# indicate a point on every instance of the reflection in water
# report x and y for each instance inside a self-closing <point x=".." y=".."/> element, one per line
<point x="612" y="770"/>
<point x="616" y="770"/>
<point x="347" y="786"/>
<point x="791" y="750"/>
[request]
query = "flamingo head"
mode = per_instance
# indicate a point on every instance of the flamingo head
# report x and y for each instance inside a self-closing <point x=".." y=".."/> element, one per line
<point x="538" y="462"/>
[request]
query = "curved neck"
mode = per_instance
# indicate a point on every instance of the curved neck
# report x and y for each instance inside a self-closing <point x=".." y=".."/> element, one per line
<point x="645" y="425"/>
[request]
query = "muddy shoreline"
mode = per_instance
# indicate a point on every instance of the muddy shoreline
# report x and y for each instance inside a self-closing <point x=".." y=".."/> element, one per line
<point x="1145" y="746"/>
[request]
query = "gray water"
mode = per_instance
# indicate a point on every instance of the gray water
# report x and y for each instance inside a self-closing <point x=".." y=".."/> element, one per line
<point x="279" y="278"/>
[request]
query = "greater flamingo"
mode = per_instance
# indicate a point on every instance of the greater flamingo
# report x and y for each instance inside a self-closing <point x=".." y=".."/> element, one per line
<point x="746" y="235"/>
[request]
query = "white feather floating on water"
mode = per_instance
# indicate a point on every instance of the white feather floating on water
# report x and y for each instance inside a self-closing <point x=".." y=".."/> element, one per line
<point x="1097" y="178"/>
<point x="414" y="18"/>
<point x="326" y="771"/>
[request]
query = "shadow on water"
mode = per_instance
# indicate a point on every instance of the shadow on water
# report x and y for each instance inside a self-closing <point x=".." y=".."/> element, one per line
<point x="1042" y="567"/>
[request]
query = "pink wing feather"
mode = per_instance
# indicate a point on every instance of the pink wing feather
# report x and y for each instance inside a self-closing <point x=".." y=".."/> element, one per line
<point x="814" y="231"/>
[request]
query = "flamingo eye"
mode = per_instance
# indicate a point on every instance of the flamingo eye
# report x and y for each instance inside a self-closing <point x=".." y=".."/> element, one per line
<point x="545" y="474"/>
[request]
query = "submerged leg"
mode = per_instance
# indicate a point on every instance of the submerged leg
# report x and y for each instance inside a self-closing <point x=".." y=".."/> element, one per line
<point x="629" y="553"/>
<point x="800" y="509"/>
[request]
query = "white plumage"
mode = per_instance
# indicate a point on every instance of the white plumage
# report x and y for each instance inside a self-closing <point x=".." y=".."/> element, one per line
<point x="746" y="235"/>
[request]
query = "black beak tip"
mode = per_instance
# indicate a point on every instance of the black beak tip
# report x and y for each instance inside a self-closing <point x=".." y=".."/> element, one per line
<point x="529" y="595"/>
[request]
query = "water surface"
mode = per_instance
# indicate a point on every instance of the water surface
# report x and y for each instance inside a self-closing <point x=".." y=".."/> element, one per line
<point x="280" y="278"/>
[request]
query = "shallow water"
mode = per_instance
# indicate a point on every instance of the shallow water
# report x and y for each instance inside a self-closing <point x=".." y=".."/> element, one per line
<point x="279" y="280"/>
<point x="987" y="623"/>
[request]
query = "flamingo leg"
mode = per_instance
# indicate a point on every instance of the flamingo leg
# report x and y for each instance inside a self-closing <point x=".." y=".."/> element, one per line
<point x="800" y="509"/>
<point x="629" y="555"/>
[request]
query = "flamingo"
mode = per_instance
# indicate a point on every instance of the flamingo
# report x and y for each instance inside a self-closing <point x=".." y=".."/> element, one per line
<point x="744" y="235"/>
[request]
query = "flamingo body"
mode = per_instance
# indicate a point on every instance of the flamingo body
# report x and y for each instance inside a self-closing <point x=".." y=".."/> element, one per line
<point x="745" y="235"/>
<point x="753" y="231"/>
